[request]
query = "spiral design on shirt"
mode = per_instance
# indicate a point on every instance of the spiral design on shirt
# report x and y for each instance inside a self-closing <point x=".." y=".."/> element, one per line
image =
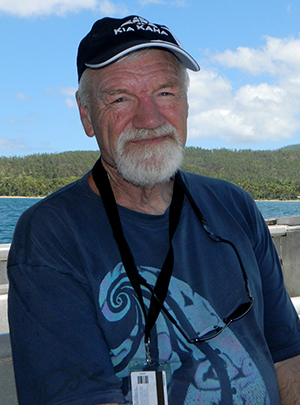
<point x="117" y="296"/>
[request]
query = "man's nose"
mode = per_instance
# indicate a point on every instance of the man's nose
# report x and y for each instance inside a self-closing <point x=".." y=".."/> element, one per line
<point x="148" y="114"/>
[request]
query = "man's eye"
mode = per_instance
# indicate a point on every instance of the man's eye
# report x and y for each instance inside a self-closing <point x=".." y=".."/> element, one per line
<point x="167" y="94"/>
<point x="119" y="100"/>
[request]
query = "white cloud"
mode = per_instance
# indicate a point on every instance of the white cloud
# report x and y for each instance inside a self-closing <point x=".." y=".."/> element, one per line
<point x="70" y="92"/>
<point x="250" y="114"/>
<point x="146" y="2"/>
<point x="266" y="111"/>
<point x="30" y="119"/>
<point x="277" y="57"/>
<point x="30" y="8"/>
<point x="64" y="94"/>
<point x="70" y="103"/>
<point x="11" y="144"/>
<point x="22" y="97"/>
<point x="106" y="7"/>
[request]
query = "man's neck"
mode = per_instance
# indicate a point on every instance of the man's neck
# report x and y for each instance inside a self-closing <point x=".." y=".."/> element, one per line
<point x="153" y="201"/>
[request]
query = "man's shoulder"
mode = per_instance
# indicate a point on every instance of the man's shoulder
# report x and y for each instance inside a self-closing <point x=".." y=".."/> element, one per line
<point x="197" y="182"/>
<point x="53" y="210"/>
<point x="54" y="199"/>
<point x="216" y="195"/>
<point x="60" y="198"/>
<point x="50" y="222"/>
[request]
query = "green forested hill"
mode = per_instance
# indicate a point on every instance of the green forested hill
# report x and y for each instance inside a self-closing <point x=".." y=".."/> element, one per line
<point x="292" y="147"/>
<point x="41" y="174"/>
<point x="264" y="174"/>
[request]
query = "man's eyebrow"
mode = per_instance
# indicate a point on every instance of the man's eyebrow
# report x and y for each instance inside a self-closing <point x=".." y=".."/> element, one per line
<point x="170" y="83"/>
<point x="110" y="92"/>
<point x="114" y="91"/>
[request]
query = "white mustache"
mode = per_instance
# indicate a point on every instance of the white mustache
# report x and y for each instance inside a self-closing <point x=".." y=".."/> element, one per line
<point x="144" y="133"/>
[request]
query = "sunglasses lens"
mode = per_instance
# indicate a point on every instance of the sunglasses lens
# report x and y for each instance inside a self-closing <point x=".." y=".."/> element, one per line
<point x="241" y="311"/>
<point x="209" y="335"/>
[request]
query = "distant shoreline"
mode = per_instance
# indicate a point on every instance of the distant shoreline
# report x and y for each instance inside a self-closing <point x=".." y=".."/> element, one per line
<point x="18" y="196"/>
<point x="295" y="200"/>
<point x="22" y="196"/>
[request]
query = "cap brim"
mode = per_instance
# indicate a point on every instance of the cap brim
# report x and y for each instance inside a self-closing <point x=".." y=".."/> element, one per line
<point x="181" y="54"/>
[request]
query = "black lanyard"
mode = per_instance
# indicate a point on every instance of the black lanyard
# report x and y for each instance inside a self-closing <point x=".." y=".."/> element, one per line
<point x="162" y="284"/>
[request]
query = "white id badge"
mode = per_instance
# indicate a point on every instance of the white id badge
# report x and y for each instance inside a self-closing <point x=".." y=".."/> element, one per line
<point x="149" y="388"/>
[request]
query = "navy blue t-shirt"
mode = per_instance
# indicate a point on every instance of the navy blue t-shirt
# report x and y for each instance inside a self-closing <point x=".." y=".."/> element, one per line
<point x="76" y="322"/>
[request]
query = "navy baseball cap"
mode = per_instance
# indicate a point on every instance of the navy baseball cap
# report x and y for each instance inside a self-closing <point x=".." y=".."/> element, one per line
<point x="112" y="38"/>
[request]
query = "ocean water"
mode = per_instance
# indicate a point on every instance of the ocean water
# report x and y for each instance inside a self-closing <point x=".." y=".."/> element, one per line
<point x="278" y="209"/>
<point x="12" y="208"/>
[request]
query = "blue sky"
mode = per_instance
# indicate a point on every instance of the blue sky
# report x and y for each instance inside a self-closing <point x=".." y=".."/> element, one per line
<point x="246" y="96"/>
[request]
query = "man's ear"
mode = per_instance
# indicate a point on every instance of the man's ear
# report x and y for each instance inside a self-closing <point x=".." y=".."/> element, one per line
<point x="85" y="117"/>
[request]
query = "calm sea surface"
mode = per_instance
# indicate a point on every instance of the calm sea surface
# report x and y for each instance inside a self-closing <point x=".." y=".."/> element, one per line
<point x="12" y="208"/>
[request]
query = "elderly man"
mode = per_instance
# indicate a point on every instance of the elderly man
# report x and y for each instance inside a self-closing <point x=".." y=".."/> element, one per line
<point x="140" y="283"/>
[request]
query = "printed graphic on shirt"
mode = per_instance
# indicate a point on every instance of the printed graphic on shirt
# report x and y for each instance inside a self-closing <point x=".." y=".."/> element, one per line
<point x="219" y="371"/>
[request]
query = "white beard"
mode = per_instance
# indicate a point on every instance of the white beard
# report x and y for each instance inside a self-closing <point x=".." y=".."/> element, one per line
<point x="146" y="165"/>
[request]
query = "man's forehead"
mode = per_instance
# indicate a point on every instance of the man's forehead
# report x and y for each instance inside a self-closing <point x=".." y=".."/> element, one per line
<point x="129" y="81"/>
<point x="157" y="62"/>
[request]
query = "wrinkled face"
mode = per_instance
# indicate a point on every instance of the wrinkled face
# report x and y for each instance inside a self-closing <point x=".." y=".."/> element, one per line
<point x="138" y="113"/>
